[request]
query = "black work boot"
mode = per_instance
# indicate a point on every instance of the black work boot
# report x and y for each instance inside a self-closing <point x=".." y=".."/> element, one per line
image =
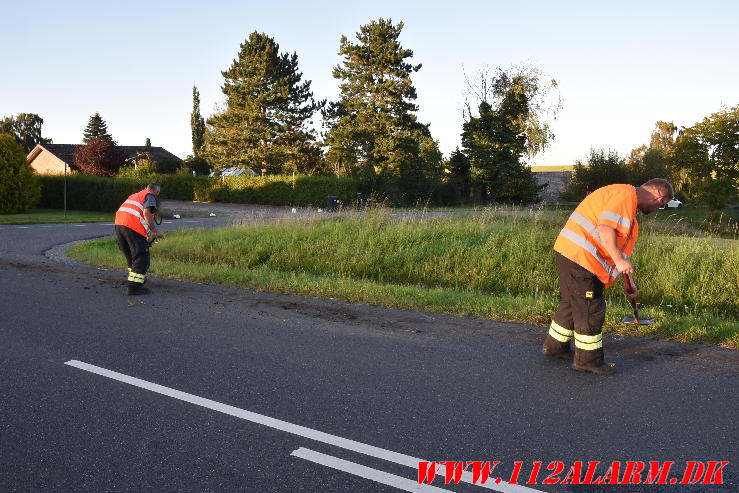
<point x="137" y="290"/>
<point x="552" y="347"/>
<point x="592" y="362"/>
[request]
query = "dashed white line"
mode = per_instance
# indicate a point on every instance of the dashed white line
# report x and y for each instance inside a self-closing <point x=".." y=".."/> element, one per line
<point x="319" y="436"/>
<point x="363" y="471"/>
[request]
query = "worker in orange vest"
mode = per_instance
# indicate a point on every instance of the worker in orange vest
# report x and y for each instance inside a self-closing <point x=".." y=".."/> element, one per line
<point x="591" y="251"/>
<point x="134" y="226"/>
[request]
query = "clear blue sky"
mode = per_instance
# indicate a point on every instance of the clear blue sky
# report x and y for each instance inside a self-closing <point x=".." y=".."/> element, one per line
<point x="620" y="66"/>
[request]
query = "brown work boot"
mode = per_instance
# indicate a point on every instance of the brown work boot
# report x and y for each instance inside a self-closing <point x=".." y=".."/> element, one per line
<point x="598" y="369"/>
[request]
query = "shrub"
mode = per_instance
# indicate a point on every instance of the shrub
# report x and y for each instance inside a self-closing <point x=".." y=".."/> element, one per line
<point x="143" y="169"/>
<point x="19" y="187"/>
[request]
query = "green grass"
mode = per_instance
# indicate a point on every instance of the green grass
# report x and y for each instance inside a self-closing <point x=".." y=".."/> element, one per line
<point x="49" y="216"/>
<point x="493" y="265"/>
<point x="723" y="223"/>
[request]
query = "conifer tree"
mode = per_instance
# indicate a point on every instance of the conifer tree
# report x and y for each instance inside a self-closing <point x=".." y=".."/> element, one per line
<point x="148" y="142"/>
<point x="373" y="133"/>
<point x="268" y="108"/>
<point x="96" y="127"/>
<point x="197" y="124"/>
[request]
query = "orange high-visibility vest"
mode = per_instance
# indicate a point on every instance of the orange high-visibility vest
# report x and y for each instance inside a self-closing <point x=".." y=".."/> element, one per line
<point x="579" y="240"/>
<point x="131" y="213"/>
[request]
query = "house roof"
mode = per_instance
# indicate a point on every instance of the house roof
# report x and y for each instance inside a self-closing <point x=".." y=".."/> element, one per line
<point x="65" y="152"/>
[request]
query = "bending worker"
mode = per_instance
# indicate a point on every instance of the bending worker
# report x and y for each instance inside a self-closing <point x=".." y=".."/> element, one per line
<point x="590" y="252"/>
<point x="134" y="225"/>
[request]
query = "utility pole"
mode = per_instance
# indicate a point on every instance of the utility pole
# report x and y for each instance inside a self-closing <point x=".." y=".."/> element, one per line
<point x="65" y="190"/>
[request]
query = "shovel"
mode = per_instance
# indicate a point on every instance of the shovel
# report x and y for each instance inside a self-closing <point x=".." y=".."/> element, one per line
<point x="635" y="320"/>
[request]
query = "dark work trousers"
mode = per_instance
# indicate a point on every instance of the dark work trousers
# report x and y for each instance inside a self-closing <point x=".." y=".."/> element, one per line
<point x="580" y="314"/>
<point x="136" y="249"/>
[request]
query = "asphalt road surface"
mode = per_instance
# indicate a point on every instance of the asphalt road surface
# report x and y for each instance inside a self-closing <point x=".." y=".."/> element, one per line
<point x="205" y="388"/>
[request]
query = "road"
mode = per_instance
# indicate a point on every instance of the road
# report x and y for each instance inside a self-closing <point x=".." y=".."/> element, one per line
<point x="207" y="388"/>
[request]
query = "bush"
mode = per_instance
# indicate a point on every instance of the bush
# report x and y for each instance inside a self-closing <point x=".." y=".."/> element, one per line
<point x="197" y="164"/>
<point x="19" y="187"/>
<point x="603" y="168"/>
<point x="143" y="169"/>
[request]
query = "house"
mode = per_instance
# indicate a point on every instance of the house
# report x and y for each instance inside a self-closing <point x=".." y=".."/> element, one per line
<point x="52" y="158"/>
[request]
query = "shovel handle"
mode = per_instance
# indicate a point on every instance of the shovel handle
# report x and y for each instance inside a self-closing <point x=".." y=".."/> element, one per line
<point x="629" y="284"/>
<point x="630" y="288"/>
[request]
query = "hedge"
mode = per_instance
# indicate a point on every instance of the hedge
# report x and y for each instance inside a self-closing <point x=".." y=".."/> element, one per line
<point x="96" y="193"/>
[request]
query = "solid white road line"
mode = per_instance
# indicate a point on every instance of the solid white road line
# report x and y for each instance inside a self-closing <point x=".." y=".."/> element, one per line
<point x="319" y="436"/>
<point x="363" y="471"/>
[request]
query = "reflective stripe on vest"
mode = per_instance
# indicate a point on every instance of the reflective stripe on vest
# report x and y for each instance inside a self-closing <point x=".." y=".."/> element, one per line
<point x="580" y="241"/>
<point x="131" y="213"/>
<point x="609" y="270"/>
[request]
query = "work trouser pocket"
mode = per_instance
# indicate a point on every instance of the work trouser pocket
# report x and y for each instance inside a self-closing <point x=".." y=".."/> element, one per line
<point x="596" y="314"/>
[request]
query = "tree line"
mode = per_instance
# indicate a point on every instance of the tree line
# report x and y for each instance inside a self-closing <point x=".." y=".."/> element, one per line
<point x="701" y="161"/>
<point x="271" y="121"/>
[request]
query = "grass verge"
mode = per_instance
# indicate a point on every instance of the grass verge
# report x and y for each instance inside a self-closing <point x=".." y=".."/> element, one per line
<point x="53" y="216"/>
<point x="497" y="266"/>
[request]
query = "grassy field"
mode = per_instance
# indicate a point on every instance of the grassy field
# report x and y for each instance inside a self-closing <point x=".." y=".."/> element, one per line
<point x="497" y="264"/>
<point x="50" y="216"/>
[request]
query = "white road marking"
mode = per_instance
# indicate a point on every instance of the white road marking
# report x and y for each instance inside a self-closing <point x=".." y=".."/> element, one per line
<point x="363" y="471"/>
<point x="22" y="227"/>
<point x="277" y="424"/>
<point x="79" y="225"/>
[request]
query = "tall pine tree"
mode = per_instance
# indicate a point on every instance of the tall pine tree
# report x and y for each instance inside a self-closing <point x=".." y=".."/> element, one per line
<point x="197" y="124"/>
<point x="96" y="127"/>
<point x="373" y="133"/>
<point x="268" y="110"/>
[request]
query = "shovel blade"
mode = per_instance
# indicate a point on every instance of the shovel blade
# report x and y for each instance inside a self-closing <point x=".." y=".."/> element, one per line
<point x="637" y="321"/>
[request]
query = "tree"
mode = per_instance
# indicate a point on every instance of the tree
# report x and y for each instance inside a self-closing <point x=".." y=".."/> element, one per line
<point x="458" y="170"/>
<point x="197" y="124"/>
<point x="26" y="128"/>
<point x="148" y="142"/>
<point x="19" y="186"/>
<point x="509" y="126"/>
<point x="373" y="133"/>
<point x="96" y="127"/>
<point x="268" y="108"/>
<point x="706" y="159"/>
<point x="663" y="137"/>
<point x="100" y="156"/>
<point x="602" y="168"/>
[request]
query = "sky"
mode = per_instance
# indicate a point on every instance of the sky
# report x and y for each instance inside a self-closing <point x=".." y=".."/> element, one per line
<point x="619" y="66"/>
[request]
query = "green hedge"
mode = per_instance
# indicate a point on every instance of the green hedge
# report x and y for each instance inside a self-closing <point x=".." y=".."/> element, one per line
<point x="86" y="192"/>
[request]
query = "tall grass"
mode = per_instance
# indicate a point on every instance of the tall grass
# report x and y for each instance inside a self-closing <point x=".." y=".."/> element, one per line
<point x="497" y="263"/>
